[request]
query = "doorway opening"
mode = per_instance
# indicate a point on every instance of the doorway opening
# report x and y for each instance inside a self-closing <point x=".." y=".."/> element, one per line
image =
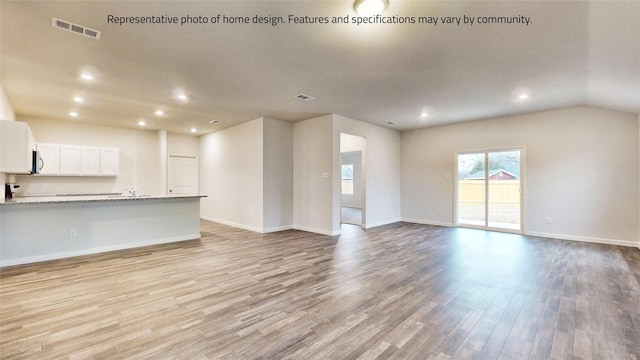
<point x="489" y="190"/>
<point x="352" y="194"/>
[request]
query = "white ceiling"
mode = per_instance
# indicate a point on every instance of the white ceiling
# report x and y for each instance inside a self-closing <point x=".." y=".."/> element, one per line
<point x="572" y="53"/>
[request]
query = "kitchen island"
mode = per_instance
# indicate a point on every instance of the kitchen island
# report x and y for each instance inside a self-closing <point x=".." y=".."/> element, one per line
<point x="36" y="229"/>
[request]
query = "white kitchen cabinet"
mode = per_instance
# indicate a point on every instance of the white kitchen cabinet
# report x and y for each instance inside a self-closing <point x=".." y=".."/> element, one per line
<point x="89" y="161"/>
<point x="50" y="159"/>
<point x="109" y="161"/>
<point x="16" y="147"/>
<point x="69" y="160"/>
<point x="75" y="160"/>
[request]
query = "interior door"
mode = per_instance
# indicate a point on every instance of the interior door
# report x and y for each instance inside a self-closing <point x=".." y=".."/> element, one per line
<point x="182" y="176"/>
<point x="489" y="190"/>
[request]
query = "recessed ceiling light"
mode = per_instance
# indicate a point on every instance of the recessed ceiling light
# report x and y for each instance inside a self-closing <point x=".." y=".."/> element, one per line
<point x="159" y="112"/>
<point x="194" y="130"/>
<point x="215" y="122"/>
<point x="179" y="94"/>
<point x="78" y="99"/>
<point x="73" y="114"/>
<point x="424" y="114"/>
<point x="142" y="123"/>
<point x="523" y="96"/>
<point x="369" y="7"/>
<point x="390" y="123"/>
<point x="86" y="76"/>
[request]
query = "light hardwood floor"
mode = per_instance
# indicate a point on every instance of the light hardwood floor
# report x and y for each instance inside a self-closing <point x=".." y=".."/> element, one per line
<point x="401" y="291"/>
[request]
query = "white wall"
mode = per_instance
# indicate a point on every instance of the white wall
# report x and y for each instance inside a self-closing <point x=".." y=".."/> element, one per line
<point x="139" y="158"/>
<point x="313" y="173"/>
<point x="231" y="163"/>
<point x="6" y="110"/>
<point x="582" y="171"/>
<point x="382" y="171"/>
<point x="187" y="145"/>
<point x="278" y="175"/>
<point x="6" y="113"/>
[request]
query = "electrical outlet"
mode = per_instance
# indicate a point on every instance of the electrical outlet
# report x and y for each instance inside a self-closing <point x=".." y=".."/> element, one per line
<point x="547" y="219"/>
<point x="73" y="233"/>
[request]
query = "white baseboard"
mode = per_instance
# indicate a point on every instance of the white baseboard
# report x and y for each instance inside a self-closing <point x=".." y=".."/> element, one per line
<point x="317" y="231"/>
<point x="232" y="224"/>
<point x="381" y="223"/>
<point x="246" y="227"/>
<point x="353" y="206"/>
<point x="584" y="239"/>
<point x="68" y="254"/>
<point x="276" y="229"/>
<point x="545" y="235"/>
<point x="428" y="222"/>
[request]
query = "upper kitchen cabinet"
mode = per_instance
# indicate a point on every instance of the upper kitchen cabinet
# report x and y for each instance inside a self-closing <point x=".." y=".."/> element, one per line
<point x="16" y="147"/>
<point x="89" y="161"/>
<point x="49" y="159"/>
<point x="109" y="161"/>
<point x="74" y="160"/>
<point x="69" y="160"/>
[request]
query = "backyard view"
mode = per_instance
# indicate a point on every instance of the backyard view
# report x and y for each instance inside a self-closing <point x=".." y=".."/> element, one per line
<point x="501" y="209"/>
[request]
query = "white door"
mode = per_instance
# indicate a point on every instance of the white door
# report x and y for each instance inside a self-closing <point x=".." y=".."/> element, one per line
<point x="182" y="176"/>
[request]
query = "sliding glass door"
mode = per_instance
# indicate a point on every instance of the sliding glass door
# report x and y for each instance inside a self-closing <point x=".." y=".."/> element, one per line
<point x="489" y="190"/>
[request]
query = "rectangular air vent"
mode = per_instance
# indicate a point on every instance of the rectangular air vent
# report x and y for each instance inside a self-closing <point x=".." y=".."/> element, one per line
<point x="75" y="28"/>
<point x="304" y="97"/>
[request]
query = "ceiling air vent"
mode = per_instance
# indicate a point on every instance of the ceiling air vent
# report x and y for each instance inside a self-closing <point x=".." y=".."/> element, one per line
<point x="304" y="97"/>
<point x="75" y="28"/>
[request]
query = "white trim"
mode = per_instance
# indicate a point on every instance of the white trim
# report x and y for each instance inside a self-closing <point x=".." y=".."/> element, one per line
<point x="317" y="231"/>
<point x="246" y="227"/>
<point x="276" y="229"/>
<point x="232" y="224"/>
<point x="352" y="206"/>
<point x="380" y="223"/>
<point x="584" y="239"/>
<point x="428" y="222"/>
<point x="68" y="254"/>
<point x="588" y="239"/>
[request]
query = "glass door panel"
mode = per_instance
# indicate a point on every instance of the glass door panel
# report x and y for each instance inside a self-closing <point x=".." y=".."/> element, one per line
<point x="471" y="189"/>
<point x="504" y="190"/>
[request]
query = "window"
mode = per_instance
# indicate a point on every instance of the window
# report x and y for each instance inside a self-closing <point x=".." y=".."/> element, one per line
<point x="347" y="179"/>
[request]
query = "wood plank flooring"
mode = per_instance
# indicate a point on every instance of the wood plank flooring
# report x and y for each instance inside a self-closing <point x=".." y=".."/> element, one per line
<point x="401" y="291"/>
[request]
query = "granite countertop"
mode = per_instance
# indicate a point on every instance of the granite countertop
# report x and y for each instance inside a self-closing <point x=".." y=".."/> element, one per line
<point x="69" y="198"/>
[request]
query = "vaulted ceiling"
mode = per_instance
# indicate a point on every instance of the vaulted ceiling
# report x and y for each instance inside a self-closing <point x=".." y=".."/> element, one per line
<point x="571" y="53"/>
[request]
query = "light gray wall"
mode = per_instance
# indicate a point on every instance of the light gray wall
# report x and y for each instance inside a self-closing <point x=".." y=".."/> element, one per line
<point x="6" y="113"/>
<point x="187" y="145"/>
<point x="313" y="174"/>
<point x="382" y="171"/>
<point x="6" y="110"/>
<point x="278" y="175"/>
<point x="231" y="175"/>
<point x="582" y="171"/>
